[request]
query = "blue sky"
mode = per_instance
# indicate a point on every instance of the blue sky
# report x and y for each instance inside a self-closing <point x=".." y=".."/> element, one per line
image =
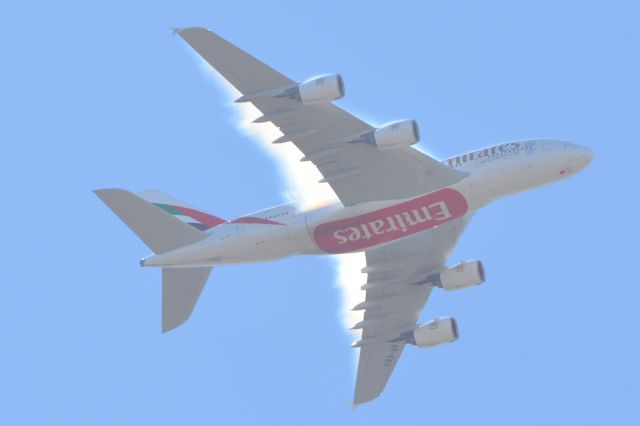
<point x="102" y="95"/>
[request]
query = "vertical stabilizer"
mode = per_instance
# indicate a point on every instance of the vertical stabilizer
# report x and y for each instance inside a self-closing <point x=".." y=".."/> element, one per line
<point x="197" y="218"/>
<point x="162" y="231"/>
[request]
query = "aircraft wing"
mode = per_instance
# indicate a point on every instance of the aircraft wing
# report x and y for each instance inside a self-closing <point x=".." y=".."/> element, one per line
<point x="394" y="301"/>
<point x="356" y="172"/>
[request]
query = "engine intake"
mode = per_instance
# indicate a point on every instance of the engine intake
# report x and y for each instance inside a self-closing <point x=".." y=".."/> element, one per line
<point x="396" y="135"/>
<point x="462" y="275"/>
<point x="435" y="332"/>
<point x="325" y="88"/>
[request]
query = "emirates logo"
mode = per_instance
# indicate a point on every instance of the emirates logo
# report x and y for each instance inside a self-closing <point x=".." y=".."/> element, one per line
<point x="390" y="223"/>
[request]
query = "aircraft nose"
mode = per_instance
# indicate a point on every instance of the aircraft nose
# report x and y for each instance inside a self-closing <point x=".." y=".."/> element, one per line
<point x="582" y="160"/>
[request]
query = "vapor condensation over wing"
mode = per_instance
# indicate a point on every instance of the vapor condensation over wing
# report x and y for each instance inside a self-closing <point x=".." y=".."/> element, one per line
<point x="301" y="185"/>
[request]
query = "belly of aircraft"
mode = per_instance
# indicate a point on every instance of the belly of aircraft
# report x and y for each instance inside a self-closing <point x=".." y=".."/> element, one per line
<point x="388" y="224"/>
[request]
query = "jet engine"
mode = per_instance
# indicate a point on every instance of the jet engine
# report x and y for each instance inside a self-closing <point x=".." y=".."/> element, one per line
<point x="462" y="275"/>
<point x="435" y="332"/>
<point x="326" y="88"/>
<point x="396" y="135"/>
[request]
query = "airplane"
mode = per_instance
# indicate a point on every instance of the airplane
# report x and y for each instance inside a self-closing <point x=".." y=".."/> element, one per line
<point x="403" y="208"/>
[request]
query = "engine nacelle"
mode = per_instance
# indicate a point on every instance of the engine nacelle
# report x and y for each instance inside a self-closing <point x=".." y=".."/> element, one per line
<point x="436" y="332"/>
<point x="326" y="88"/>
<point x="396" y="135"/>
<point x="462" y="275"/>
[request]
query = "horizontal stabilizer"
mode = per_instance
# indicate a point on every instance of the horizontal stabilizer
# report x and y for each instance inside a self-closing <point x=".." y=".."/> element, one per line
<point x="159" y="230"/>
<point x="181" y="288"/>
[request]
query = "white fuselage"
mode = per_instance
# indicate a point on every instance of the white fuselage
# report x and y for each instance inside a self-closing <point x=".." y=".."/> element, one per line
<point x="493" y="172"/>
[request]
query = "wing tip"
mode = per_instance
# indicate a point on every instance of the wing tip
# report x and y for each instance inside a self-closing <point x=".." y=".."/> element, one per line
<point x="182" y="31"/>
<point x="172" y="325"/>
<point x="358" y="400"/>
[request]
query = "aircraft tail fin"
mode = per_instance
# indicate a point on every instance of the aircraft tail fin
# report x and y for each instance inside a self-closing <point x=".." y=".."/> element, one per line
<point x="162" y="232"/>
<point x="181" y="288"/>
<point x="181" y="210"/>
<point x="157" y="228"/>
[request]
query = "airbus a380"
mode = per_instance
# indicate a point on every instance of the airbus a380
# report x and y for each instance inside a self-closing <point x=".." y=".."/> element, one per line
<point x="404" y="209"/>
